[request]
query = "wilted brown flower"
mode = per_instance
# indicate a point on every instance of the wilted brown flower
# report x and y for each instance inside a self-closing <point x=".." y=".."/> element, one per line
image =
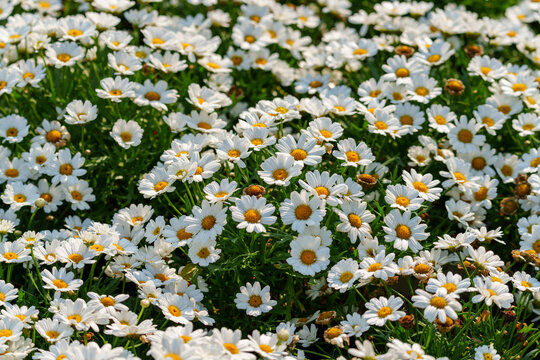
<point x="473" y="50"/>
<point x="335" y="336"/>
<point x="523" y="190"/>
<point x="405" y="50"/>
<point x="454" y="87"/>
<point x="509" y="206"/>
<point x="366" y="180"/>
<point x="509" y="315"/>
<point x="255" y="190"/>
<point x="325" y="317"/>
<point x="446" y="326"/>
<point x="407" y="321"/>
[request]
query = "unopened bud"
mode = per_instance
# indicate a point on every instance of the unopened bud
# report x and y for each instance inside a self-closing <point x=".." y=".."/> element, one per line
<point x="283" y="335"/>
<point x="40" y="202"/>
<point x="145" y="303"/>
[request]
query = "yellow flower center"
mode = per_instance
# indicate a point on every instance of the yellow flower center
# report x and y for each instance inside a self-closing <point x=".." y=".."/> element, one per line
<point x="299" y="154"/>
<point x="161" y="185"/>
<point x="76" y="258"/>
<point x="434" y="58"/>
<point x="182" y="234"/>
<point x="402" y="201"/>
<point x="352" y="156"/>
<point x="203" y="253"/>
<point x="75" y="317"/>
<point x="333" y="332"/>
<point x="12" y="173"/>
<point x="60" y="284"/>
<point x="255" y="301"/>
<point x="505" y="109"/>
<point x="74" y="32"/>
<point x="326" y="133"/>
<point x="381" y="125"/>
<point x="420" y="186"/>
<point x="374" y="267"/>
<point x="126" y="136"/>
<point x="208" y="222"/>
<point x="231" y="348"/>
<point x="234" y="153"/>
<point x="76" y="195"/>
<point x="213" y="65"/>
<point x="321" y="190"/>
<point x="66" y="169"/>
<point x="438" y="302"/>
<point x="108" y="301"/>
<point x="280" y="174"/>
<point x="252" y="216"/>
<point x="152" y="96"/>
<point x="481" y="194"/>
<point x="360" y="52"/>
<point x="439" y="119"/>
<point x="460" y="177"/>
<point x="422" y="268"/>
<point x="97" y="247"/>
<point x="303" y="212"/>
<point x="422" y="91"/>
<point x="346" y="276"/>
<point x="52" y="334"/>
<point x="175" y="311"/>
<point x="406" y="120"/>
<point x="161" y="277"/>
<point x="402" y="72"/>
<point x="308" y="257"/>
<point x="403" y="231"/>
<point x="10" y="256"/>
<point x="507" y="170"/>
<point x="519" y="87"/>
<point x="186" y="338"/>
<point x="19" y="198"/>
<point x="265" y="348"/>
<point x="28" y="75"/>
<point x="355" y="220"/>
<point x="465" y="136"/>
<point x="450" y="288"/>
<point x="384" y="312"/>
<point x="63" y="57"/>
<point x="40" y="159"/>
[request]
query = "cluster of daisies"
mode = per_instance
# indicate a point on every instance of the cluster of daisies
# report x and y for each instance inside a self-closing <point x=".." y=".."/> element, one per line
<point x="375" y="190"/>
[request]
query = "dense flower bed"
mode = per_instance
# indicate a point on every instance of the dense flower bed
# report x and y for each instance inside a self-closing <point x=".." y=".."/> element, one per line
<point x="251" y="179"/>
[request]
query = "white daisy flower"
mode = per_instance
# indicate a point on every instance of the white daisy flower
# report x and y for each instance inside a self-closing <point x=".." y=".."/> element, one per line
<point x="254" y="299"/>
<point x="437" y="306"/>
<point x="404" y="230"/>
<point x="308" y="255"/>
<point x="380" y="310"/>
<point x="301" y="210"/>
<point x="343" y="275"/>
<point x="253" y="213"/>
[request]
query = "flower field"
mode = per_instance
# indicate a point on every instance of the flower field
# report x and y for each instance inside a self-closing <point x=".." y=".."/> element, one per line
<point x="258" y="179"/>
